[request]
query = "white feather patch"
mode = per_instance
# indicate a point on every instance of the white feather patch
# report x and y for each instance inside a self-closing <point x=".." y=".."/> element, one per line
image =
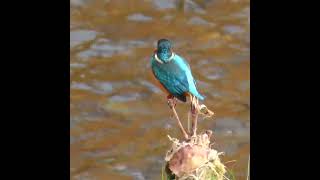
<point x="157" y="59"/>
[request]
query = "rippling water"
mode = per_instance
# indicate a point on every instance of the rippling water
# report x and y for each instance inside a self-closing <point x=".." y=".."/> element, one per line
<point x="119" y="120"/>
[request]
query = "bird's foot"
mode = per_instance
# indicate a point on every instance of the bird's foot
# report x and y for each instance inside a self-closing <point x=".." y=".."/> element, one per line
<point x="172" y="101"/>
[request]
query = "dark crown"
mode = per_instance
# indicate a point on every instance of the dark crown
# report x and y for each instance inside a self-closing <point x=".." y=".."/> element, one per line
<point x="164" y="44"/>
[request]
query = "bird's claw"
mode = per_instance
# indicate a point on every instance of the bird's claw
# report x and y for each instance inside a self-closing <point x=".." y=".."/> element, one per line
<point x="172" y="102"/>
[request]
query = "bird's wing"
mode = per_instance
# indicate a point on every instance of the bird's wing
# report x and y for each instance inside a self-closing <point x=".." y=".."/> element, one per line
<point x="189" y="69"/>
<point x="172" y="78"/>
<point x="192" y="82"/>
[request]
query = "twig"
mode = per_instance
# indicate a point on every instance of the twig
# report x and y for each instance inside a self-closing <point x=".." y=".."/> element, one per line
<point x="194" y="124"/>
<point x="189" y="123"/>
<point x="186" y="136"/>
<point x="194" y="113"/>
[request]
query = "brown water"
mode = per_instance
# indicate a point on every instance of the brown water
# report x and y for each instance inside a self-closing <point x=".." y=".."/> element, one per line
<point x="119" y="120"/>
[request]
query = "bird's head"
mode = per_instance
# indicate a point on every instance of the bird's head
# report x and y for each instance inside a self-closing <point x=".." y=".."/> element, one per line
<point x="164" y="53"/>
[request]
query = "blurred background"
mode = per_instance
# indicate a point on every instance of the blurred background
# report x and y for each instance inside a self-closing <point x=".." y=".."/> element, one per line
<point x="119" y="120"/>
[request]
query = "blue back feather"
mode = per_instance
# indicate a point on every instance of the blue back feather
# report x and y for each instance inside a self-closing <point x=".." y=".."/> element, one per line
<point x="176" y="77"/>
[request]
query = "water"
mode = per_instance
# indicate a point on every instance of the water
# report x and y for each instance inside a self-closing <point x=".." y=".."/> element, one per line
<point x="119" y="120"/>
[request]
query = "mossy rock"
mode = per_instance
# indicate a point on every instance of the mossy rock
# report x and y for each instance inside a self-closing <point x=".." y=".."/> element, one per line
<point x="193" y="159"/>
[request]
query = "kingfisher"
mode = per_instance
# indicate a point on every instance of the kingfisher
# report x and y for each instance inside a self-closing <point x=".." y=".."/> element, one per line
<point x="173" y="75"/>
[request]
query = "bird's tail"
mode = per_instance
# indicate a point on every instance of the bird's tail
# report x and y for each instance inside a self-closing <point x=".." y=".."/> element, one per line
<point x="199" y="96"/>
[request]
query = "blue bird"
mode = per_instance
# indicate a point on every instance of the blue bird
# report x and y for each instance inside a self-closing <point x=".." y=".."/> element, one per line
<point x="173" y="72"/>
<point x="174" y="76"/>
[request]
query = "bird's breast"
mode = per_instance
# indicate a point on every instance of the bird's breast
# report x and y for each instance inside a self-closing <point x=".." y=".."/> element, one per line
<point x="158" y="83"/>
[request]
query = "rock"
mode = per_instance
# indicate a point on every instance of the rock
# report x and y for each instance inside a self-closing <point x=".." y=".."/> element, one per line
<point x="194" y="158"/>
<point x="187" y="159"/>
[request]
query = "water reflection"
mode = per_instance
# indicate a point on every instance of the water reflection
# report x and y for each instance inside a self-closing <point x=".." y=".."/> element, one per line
<point x="139" y="17"/>
<point x="119" y="119"/>
<point x="80" y="36"/>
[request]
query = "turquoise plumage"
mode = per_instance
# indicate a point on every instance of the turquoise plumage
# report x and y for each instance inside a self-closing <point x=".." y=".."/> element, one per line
<point x="173" y="72"/>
